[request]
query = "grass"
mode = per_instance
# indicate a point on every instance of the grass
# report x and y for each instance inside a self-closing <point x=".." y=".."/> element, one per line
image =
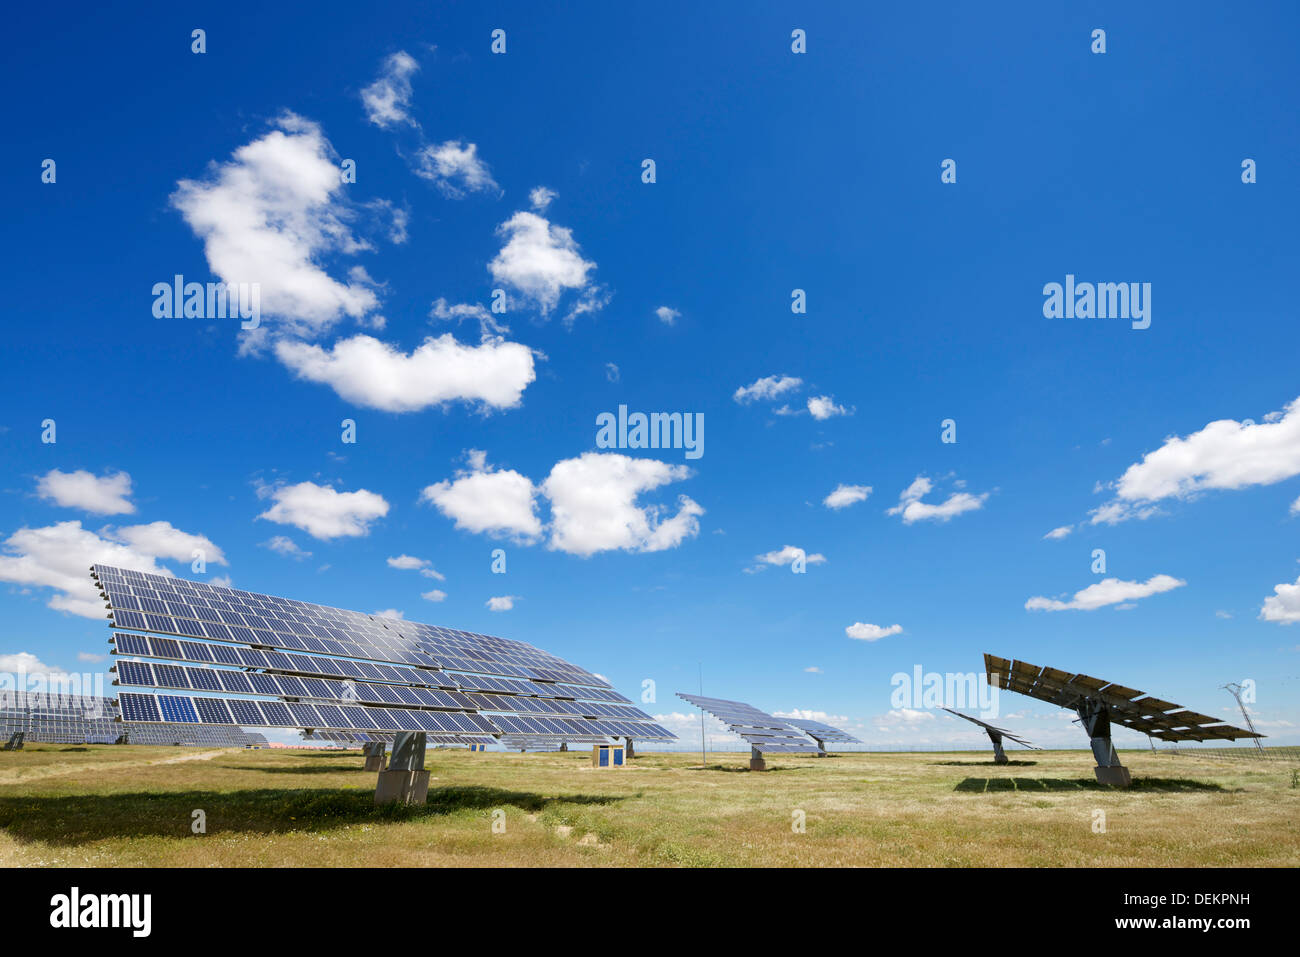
<point x="134" y="806"/>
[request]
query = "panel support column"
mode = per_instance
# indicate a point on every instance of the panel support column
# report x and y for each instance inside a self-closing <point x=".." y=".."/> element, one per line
<point x="999" y="756"/>
<point x="821" y="745"/>
<point x="628" y="753"/>
<point x="406" y="781"/>
<point x="373" y="751"/>
<point x="756" y="762"/>
<point x="1096" y="721"/>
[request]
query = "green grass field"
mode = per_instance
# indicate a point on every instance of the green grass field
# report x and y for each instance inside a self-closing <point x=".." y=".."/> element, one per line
<point x="133" y="806"/>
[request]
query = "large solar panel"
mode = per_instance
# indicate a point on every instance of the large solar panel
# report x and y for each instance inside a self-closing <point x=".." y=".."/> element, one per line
<point x="230" y="657"/>
<point x="1127" y="706"/>
<point x="764" y="733"/>
<point x="55" y="718"/>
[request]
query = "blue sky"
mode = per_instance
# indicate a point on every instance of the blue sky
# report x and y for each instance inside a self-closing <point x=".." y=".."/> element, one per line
<point x="774" y="171"/>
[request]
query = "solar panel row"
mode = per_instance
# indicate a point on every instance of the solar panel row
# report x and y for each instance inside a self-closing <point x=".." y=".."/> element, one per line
<point x="379" y="673"/>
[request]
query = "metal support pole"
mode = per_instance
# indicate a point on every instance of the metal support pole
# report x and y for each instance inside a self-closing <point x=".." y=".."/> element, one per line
<point x="1096" y="721"/>
<point x="406" y="781"/>
<point x="999" y="756"/>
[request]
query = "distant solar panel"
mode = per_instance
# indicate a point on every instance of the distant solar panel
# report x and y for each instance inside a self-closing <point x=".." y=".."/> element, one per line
<point x="823" y="732"/>
<point x="764" y="733"/>
<point x="230" y="656"/>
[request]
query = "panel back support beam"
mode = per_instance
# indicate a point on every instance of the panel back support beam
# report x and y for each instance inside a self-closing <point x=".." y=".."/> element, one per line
<point x="999" y="756"/>
<point x="405" y="781"/>
<point x="821" y="745"/>
<point x="1095" y="717"/>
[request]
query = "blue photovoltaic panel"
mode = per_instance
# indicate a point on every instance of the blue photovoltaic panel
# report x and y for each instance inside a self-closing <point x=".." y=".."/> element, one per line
<point x="763" y="732"/>
<point x="292" y="650"/>
<point x="178" y="709"/>
<point x="824" y="732"/>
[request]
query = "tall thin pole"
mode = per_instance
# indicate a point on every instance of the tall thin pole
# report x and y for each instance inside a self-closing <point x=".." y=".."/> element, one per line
<point x="1235" y="690"/>
<point x="704" y="758"/>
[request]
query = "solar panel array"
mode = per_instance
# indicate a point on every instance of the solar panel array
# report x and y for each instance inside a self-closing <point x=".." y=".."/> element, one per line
<point x="526" y="743"/>
<point x="251" y="660"/>
<point x="76" y="719"/>
<point x="988" y="727"/>
<point x="764" y="733"/>
<point x="1127" y="706"/>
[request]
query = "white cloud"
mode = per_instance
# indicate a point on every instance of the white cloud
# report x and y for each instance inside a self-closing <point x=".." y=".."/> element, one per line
<point x="768" y="387"/>
<point x="539" y="261"/>
<point x="846" y="495"/>
<point x="1295" y="507"/>
<point x="667" y="315"/>
<point x="488" y="325"/>
<point x="1225" y="454"/>
<point x="1059" y="532"/>
<point x="803" y="714"/>
<point x="1283" y="606"/>
<point x="823" y="407"/>
<point x="324" y="512"/>
<point x="24" y="662"/>
<point x="787" y="555"/>
<point x="912" y="509"/>
<point x="109" y="495"/>
<point x="455" y="168"/>
<point x="1108" y="591"/>
<point x="594" y="505"/>
<point x="435" y="594"/>
<point x="388" y="99"/>
<point x="59" y="557"/>
<point x="371" y="373"/>
<point x="496" y="502"/>
<point x="389" y="613"/>
<point x="411" y="563"/>
<point x="222" y="581"/>
<point x="501" y="602"/>
<point x="283" y="545"/>
<point x="813" y="670"/>
<point x="611" y="372"/>
<point x="88" y="657"/>
<point x="541" y="197"/>
<point x="863" y="631"/>
<point x="906" y="715"/>
<point x="269" y="215"/>
<point x="593" y="501"/>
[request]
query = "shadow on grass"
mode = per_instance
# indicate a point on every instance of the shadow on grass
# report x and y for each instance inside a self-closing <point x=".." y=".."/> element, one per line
<point x="303" y="769"/>
<point x="82" y="818"/>
<point x="1039" y="785"/>
<point x="986" y="764"/>
<point x="742" y="768"/>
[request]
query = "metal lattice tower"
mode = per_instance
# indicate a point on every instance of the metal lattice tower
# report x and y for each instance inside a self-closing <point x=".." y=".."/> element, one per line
<point x="1235" y="690"/>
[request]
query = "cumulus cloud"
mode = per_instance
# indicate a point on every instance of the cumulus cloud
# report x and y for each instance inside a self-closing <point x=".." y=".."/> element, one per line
<point x="455" y="168"/>
<point x="373" y="374"/>
<point x="389" y="613"/>
<point x="496" y="502"/>
<point x="488" y="324"/>
<point x="501" y="602"/>
<point x="388" y="99"/>
<point x="1060" y="532"/>
<point x="1283" y="606"/>
<point x="540" y="262"/>
<point x="324" y="512"/>
<point x="271" y="215"/>
<point x="102" y="495"/>
<point x="594" y="505"/>
<point x="823" y="407"/>
<point x="846" y="495"/>
<point x="1225" y="454"/>
<point x="593" y="499"/>
<point x="283" y="545"/>
<point x="1295" y="507"/>
<point x="59" y="557"/>
<point x="787" y="555"/>
<point x="912" y="509"/>
<point x="863" y="631"/>
<point x="768" y="387"/>
<point x="1108" y="591"/>
<point x="435" y="594"/>
<point x="667" y="315"/>
<point x="541" y="197"/>
<point x="813" y="670"/>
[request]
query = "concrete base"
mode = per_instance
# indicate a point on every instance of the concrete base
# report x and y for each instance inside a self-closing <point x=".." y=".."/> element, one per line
<point x="402" y="787"/>
<point x="757" y="764"/>
<point x="1001" y="758"/>
<point x="1116" y="777"/>
<point x="374" y="762"/>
